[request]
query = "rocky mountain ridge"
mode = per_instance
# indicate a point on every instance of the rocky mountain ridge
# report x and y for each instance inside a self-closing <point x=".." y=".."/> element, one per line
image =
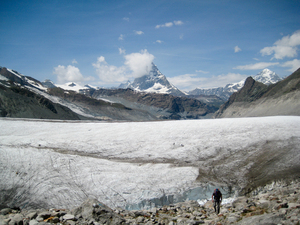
<point x="90" y="103"/>
<point x="17" y="101"/>
<point x="258" y="99"/>
<point x="266" y="76"/>
<point x="163" y="106"/>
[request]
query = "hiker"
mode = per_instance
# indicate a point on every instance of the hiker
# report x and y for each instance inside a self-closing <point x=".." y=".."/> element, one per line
<point x="217" y="199"/>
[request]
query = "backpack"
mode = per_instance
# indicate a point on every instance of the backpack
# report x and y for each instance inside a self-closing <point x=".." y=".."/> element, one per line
<point x="217" y="194"/>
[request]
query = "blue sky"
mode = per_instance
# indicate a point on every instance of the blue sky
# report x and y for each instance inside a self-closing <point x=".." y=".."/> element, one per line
<point x="201" y="44"/>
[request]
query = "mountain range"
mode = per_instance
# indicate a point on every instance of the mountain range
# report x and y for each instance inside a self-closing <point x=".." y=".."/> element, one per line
<point x="266" y="76"/>
<point x="156" y="82"/>
<point x="150" y="97"/>
<point x="258" y="99"/>
<point x="26" y="97"/>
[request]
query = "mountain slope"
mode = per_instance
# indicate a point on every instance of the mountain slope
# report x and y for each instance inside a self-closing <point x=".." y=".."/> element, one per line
<point x="266" y="76"/>
<point x="163" y="106"/>
<point x="154" y="82"/>
<point x="24" y="97"/>
<point x="91" y="103"/>
<point x="99" y="108"/>
<point x="18" y="102"/>
<point x="257" y="99"/>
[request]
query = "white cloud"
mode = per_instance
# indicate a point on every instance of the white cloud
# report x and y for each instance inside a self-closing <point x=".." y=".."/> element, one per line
<point x="294" y="65"/>
<point x="109" y="73"/>
<point x="178" y="22"/>
<point x="230" y="78"/>
<point x="256" y="66"/>
<point x="170" y="24"/>
<point x="201" y="71"/>
<point x="122" y="51"/>
<point x="188" y="82"/>
<point x="159" y="41"/>
<point x="285" y="47"/>
<point x="126" y="19"/>
<point x="237" y="49"/>
<point x="135" y="65"/>
<point x="181" y="37"/>
<point x="121" y="38"/>
<point x="138" y="32"/>
<point x="74" y="61"/>
<point x="68" y="74"/>
<point x="139" y="63"/>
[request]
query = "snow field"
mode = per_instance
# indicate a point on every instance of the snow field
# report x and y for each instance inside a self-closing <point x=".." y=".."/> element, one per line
<point x="60" y="164"/>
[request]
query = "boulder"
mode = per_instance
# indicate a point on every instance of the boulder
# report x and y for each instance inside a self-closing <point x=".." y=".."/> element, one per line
<point x="17" y="219"/>
<point x="92" y="209"/>
<point x="69" y="217"/>
<point x="262" y="219"/>
<point x="5" y="211"/>
<point x="32" y="215"/>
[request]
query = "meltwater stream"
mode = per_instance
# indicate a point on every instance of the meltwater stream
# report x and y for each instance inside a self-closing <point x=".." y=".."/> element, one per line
<point x="201" y="194"/>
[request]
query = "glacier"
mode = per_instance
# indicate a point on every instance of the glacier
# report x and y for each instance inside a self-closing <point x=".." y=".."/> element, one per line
<point x="133" y="165"/>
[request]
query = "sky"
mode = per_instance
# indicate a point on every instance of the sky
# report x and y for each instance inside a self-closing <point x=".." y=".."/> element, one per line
<point x="195" y="44"/>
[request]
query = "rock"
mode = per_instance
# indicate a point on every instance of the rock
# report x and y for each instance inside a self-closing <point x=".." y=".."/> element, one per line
<point x="32" y="215"/>
<point x="268" y="208"/>
<point x="232" y="219"/>
<point x="33" y="222"/>
<point x="69" y="222"/>
<point x="208" y="204"/>
<point x="17" y="219"/>
<point x="68" y="217"/>
<point x="284" y="205"/>
<point x="93" y="209"/>
<point x="2" y="220"/>
<point x="55" y="220"/>
<point x="43" y="215"/>
<point x="294" y="205"/>
<point x="263" y="203"/>
<point x="239" y="203"/>
<point x="5" y="211"/>
<point x="140" y="219"/>
<point x="262" y="219"/>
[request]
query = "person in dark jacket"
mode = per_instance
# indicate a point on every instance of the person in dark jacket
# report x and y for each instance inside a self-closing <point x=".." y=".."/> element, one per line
<point x="217" y="199"/>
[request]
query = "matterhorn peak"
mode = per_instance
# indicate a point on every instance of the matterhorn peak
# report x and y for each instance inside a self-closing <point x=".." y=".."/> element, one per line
<point x="154" y="82"/>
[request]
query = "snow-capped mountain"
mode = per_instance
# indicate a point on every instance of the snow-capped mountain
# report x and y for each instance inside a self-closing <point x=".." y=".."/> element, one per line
<point x="25" y="97"/>
<point x="154" y="81"/>
<point x="21" y="79"/>
<point x="48" y="84"/>
<point x="266" y="76"/>
<point x="71" y="86"/>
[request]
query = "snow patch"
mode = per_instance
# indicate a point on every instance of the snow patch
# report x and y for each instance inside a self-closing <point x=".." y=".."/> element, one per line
<point x="3" y="78"/>
<point x="15" y="73"/>
<point x="71" y="86"/>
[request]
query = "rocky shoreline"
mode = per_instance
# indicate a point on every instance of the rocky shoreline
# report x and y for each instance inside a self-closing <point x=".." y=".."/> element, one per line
<point x="277" y="203"/>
